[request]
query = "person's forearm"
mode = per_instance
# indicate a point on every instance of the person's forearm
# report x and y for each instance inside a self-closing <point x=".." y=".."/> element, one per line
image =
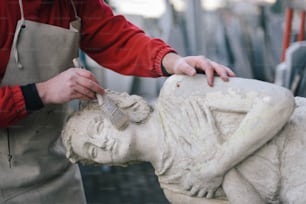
<point x="139" y="54"/>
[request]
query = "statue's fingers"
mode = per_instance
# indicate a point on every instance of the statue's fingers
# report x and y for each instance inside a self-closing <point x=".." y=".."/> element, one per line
<point x="194" y="190"/>
<point x="187" y="186"/>
<point x="202" y="193"/>
<point x="210" y="194"/>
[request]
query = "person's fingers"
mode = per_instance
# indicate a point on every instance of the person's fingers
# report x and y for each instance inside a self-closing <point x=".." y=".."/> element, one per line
<point x="182" y="67"/>
<point x="189" y="70"/>
<point x="85" y="73"/>
<point x="203" y="64"/>
<point x="209" y="67"/>
<point x="79" y="87"/>
<point x="229" y="72"/>
<point x="87" y="80"/>
<point x="223" y="71"/>
<point x="88" y="87"/>
<point x="191" y="64"/>
<point x="85" y="93"/>
<point x="71" y="84"/>
<point x="76" y="91"/>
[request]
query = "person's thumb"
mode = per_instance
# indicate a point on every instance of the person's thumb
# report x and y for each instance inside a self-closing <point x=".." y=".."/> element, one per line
<point x="182" y="67"/>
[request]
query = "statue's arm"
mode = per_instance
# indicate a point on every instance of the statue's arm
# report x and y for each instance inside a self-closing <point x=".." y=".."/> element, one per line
<point x="266" y="114"/>
<point x="267" y="108"/>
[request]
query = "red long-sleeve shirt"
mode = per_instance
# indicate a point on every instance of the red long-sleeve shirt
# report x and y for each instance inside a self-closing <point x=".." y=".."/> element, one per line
<point x="110" y="40"/>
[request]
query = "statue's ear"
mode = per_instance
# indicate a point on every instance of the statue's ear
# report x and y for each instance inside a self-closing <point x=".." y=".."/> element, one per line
<point x="73" y="160"/>
<point x="140" y="114"/>
<point x="71" y="156"/>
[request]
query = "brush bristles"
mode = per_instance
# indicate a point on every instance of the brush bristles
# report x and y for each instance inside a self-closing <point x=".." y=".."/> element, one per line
<point x="113" y="113"/>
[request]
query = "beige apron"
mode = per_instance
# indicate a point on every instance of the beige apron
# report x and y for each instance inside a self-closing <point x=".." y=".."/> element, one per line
<point x="33" y="166"/>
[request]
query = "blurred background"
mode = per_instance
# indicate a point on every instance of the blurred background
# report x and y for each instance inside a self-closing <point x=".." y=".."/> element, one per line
<point x="258" y="39"/>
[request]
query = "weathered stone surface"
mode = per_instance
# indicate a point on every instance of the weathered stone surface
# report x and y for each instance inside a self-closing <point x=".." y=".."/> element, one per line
<point x="237" y="139"/>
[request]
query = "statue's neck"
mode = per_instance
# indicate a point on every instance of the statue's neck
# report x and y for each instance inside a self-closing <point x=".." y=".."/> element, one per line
<point x="149" y="141"/>
<point x="163" y="157"/>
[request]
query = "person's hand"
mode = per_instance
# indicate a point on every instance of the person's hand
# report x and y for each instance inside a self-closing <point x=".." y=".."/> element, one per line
<point x="189" y="65"/>
<point x="74" y="83"/>
<point x="201" y="181"/>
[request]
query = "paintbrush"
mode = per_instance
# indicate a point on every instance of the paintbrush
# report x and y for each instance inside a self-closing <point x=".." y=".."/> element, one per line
<point x="109" y="108"/>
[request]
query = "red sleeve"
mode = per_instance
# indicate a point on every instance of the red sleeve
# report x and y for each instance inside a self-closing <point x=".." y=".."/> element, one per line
<point x="12" y="106"/>
<point x="117" y="44"/>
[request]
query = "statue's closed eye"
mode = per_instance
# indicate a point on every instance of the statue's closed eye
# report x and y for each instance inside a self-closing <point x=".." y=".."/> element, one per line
<point x="92" y="151"/>
<point x="95" y="127"/>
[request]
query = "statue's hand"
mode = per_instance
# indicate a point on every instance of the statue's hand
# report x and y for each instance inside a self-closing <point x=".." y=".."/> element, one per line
<point x="202" y="182"/>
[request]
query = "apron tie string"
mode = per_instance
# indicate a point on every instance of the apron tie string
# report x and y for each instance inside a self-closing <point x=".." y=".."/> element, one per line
<point x="74" y="9"/>
<point x="20" y="25"/>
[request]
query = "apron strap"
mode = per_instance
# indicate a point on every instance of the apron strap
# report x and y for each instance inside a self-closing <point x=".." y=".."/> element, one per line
<point x="14" y="47"/>
<point x="19" y="27"/>
<point x="74" y="10"/>
<point x="21" y="10"/>
<point x="22" y="25"/>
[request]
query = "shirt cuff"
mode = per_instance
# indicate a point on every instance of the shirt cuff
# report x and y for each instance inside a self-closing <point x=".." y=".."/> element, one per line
<point x="164" y="70"/>
<point x="32" y="100"/>
<point x="158" y="66"/>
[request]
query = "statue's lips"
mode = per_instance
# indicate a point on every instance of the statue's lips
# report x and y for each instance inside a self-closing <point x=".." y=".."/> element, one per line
<point x="110" y="144"/>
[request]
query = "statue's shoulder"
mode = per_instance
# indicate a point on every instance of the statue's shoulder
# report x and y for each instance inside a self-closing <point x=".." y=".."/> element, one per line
<point x="184" y="86"/>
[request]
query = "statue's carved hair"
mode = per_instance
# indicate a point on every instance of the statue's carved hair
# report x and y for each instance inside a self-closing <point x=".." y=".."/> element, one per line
<point x="137" y="109"/>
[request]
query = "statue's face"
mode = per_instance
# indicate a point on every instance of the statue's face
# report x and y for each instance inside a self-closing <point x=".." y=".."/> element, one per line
<point x="101" y="142"/>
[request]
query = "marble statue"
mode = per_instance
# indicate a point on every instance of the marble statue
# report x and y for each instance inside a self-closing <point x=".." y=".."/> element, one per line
<point x="242" y="141"/>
